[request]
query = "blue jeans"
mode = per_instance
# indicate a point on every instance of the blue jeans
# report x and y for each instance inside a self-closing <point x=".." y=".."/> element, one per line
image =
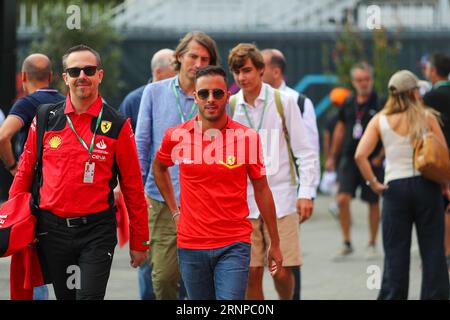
<point x="406" y="202"/>
<point x="220" y="273"/>
<point x="145" y="282"/>
<point x="40" y="293"/>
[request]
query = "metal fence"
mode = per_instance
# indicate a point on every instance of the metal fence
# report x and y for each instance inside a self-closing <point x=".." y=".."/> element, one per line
<point x="306" y="53"/>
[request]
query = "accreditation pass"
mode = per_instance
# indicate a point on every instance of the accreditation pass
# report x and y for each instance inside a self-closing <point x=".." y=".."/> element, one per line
<point x="89" y="170"/>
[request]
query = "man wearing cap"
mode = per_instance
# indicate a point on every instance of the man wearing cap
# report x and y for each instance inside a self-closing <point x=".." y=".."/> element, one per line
<point x="87" y="145"/>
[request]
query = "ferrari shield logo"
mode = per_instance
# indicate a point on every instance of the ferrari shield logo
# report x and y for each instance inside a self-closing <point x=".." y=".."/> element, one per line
<point x="105" y="126"/>
<point x="231" y="160"/>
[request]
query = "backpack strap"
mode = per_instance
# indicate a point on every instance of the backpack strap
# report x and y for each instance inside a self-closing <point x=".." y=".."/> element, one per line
<point x="301" y="103"/>
<point x="42" y="116"/>
<point x="292" y="167"/>
<point x="233" y="105"/>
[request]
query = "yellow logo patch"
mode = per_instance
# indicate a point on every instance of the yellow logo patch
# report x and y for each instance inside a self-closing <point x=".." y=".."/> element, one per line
<point x="55" y="142"/>
<point x="105" y="126"/>
<point x="231" y="163"/>
<point x="231" y="160"/>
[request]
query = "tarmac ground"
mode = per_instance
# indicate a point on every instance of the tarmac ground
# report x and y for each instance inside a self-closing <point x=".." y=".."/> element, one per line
<point x="356" y="278"/>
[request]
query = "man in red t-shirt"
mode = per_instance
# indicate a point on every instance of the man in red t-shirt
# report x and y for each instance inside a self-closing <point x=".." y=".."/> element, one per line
<point x="215" y="155"/>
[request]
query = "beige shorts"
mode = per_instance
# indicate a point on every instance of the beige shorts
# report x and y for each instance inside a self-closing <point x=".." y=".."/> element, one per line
<point x="289" y="232"/>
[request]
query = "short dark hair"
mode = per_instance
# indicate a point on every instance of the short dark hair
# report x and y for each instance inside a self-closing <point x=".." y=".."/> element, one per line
<point x="243" y="51"/>
<point x="201" y="38"/>
<point x="442" y="63"/>
<point x="81" y="47"/>
<point x="211" y="71"/>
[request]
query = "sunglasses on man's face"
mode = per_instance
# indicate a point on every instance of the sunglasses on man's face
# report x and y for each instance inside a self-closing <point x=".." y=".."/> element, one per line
<point x="203" y="94"/>
<point x="75" y="71"/>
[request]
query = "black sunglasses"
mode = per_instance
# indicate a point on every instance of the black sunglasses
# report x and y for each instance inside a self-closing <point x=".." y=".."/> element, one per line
<point x="203" y="94"/>
<point x="88" y="70"/>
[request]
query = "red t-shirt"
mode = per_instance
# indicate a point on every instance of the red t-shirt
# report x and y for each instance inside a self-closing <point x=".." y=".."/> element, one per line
<point x="213" y="182"/>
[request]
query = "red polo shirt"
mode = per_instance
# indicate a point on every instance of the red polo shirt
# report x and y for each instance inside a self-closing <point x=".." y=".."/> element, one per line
<point x="213" y="182"/>
<point x="64" y="193"/>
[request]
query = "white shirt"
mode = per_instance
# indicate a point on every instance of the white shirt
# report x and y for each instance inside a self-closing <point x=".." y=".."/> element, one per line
<point x="309" y="117"/>
<point x="275" y="149"/>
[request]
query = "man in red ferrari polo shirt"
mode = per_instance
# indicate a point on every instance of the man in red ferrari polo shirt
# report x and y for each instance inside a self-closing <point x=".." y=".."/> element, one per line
<point x="86" y="146"/>
<point x="216" y="156"/>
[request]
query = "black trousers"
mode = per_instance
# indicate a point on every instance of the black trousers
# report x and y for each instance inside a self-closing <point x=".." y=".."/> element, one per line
<point x="78" y="253"/>
<point x="407" y="202"/>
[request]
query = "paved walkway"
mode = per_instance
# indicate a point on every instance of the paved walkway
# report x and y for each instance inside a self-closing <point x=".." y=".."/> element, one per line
<point x="322" y="279"/>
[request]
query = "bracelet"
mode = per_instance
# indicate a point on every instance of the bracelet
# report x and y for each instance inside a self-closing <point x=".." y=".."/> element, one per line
<point x="175" y="214"/>
<point x="369" y="182"/>
<point x="12" y="167"/>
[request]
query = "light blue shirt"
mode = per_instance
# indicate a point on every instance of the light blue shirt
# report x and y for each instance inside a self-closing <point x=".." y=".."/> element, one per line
<point x="158" y="111"/>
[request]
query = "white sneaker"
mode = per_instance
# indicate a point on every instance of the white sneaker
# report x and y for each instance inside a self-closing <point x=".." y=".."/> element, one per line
<point x="372" y="252"/>
<point x="343" y="253"/>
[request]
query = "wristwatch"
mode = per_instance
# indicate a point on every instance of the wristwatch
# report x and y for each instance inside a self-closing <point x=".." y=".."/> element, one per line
<point x="369" y="182"/>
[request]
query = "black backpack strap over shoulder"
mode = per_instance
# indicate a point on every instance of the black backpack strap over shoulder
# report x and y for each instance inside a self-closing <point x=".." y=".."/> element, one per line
<point x="42" y="116"/>
<point x="301" y="103"/>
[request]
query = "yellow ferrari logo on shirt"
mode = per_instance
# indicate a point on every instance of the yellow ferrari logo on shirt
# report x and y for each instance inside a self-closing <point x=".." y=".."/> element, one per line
<point x="231" y="163"/>
<point x="231" y="160"/>
<point x="105" y="126"/>
<point x="55" y="142"/>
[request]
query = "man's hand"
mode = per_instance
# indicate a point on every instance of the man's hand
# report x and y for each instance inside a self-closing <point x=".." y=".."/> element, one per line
<point x="138" y="258"/>
<point x="175" y="220"/>
<point x="275" y="259"/>
<point x="149" y="202"/>
<point x="14" y="171"/>
<point x="304" y="209"/>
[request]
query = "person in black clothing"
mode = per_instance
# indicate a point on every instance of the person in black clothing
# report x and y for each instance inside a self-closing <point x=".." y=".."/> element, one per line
<point x="437" y="71"/>
<point x="36" y="78"/>
<point x="354" y="116"/>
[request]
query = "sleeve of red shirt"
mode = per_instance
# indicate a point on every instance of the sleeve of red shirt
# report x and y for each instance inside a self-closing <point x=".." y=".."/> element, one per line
<point x="164" y="153"/>
<point x="255" y="169"/>
<point x="132" y="188"/>
<point x="27" y="163"/>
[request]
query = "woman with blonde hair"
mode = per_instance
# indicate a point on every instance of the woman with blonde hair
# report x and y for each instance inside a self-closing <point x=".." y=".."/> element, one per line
<point x="408" y="198"/>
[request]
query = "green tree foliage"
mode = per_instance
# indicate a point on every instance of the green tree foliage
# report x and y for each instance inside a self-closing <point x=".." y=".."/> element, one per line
<point x="349" y="49"/>
<point x="56" y="37"/>
<point x="385" y="55"/>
